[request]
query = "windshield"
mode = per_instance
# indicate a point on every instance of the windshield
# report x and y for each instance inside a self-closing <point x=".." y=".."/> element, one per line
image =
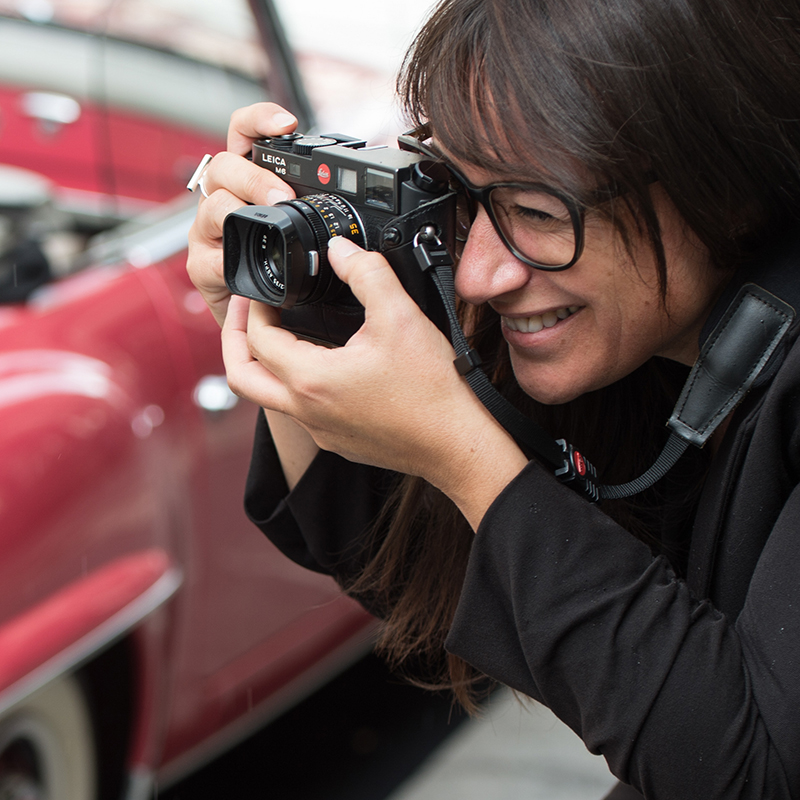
<point x="217" y="33"/>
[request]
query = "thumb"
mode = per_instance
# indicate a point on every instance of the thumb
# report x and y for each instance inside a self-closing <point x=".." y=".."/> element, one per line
<point x="369" y="276"/>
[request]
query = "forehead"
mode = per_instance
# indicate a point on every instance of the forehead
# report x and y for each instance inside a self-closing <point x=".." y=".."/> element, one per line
<point x="578" y="184"/>
<point x="483" y="168"/>
<point x="488" y="154"/>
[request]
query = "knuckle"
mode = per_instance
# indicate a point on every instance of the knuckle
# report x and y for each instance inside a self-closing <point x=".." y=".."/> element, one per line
<point x="254" y="183"/>
<point x="252" y="345"/>
<point x="208" y="224"/>
<point x="221" y="162"/>
<point x="238" y="115"/>
<point x="241" y="117"/>
<point x="371" y="269"/>
<point x="235" y="385"/>
<point x="305" y="387"/>
<point x="220" y="203"/>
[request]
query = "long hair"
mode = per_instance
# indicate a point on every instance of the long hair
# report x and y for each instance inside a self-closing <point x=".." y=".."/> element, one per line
<point x="702" y="96"/>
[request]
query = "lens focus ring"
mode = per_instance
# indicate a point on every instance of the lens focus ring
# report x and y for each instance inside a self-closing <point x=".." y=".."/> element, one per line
<point x="321" y="235"/>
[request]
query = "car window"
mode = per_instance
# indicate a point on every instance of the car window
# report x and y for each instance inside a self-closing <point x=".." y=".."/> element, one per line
<point x="218" y="33"/>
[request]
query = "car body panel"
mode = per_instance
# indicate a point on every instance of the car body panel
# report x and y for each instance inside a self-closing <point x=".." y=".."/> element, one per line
<point x="108" y="453"/>
<point x="71" y="624"/>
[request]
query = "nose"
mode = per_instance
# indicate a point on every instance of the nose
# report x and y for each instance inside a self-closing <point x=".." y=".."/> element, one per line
<point x="487" y="269"/>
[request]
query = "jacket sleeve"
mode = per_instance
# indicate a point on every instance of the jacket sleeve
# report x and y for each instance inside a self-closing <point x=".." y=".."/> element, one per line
<point x="565" y="606"/>
<point x="323" y="523"/>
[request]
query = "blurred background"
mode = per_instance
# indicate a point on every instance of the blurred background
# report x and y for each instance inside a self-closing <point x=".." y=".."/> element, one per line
<point x="350" y="58"/>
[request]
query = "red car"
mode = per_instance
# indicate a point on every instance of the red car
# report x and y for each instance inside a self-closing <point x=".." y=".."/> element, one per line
<point x="145" y="624"/>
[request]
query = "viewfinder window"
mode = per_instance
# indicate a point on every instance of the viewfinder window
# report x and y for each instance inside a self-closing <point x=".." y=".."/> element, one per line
<point x="380" y="189"/>
<point x="347" y="180"/>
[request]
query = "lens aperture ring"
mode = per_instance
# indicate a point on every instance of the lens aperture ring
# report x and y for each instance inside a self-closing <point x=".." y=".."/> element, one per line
<point x="318" y="226"/>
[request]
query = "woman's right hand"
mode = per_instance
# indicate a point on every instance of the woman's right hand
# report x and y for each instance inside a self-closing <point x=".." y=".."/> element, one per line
<point x="231" y="181"/>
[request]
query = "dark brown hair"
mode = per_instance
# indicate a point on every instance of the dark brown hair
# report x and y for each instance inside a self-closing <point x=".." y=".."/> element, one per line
<point x="703" y="95"/>
<point x="700" y="94"/>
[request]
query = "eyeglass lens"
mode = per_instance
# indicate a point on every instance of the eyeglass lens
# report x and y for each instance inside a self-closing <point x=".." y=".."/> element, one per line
<point x="536" y="224"/>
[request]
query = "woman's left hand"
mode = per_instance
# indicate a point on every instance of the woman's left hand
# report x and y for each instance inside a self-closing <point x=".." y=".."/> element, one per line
<point x="390" y="397"/>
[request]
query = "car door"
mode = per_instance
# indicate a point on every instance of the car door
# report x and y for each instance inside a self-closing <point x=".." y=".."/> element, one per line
<point x="252" y="622"/>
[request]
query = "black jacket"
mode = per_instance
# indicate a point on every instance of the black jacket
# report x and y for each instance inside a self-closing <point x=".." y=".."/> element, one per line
<point x="689" y="688"/>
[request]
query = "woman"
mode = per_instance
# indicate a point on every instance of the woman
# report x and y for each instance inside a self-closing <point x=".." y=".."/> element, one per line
<point x="663" y="629"/>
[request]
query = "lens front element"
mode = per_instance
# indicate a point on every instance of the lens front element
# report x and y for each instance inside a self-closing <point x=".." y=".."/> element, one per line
<point x="269" y="260"/>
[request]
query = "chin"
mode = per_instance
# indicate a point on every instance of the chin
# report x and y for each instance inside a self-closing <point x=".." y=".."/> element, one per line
<point x="552" y="397"/>
<point x="549" y="393"/>
<point x="553" y="387"/>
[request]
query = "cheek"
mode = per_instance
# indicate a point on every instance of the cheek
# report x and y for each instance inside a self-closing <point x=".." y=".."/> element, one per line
<point x="625" y="297"/>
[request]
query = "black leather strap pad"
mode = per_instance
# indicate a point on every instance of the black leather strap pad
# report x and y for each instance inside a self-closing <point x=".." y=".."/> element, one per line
<point x="731" y="358"/>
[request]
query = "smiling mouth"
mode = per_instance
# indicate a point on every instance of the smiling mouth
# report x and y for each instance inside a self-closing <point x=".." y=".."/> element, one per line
<point x="538" y="321"/>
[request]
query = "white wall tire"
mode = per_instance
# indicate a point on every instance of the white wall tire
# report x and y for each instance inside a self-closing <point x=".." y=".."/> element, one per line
<point x="47" y="747"/>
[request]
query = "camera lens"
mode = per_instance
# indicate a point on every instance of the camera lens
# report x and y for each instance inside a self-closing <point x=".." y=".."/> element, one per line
<point x="294" y="261"/>
<point x="276" y="258"/>
<point x="278" y="254"/>
<point x="269" y="262"/>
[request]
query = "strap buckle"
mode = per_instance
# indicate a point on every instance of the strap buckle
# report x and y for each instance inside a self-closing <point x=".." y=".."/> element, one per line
<point x="577" y="472"/>
<point x="430" y="251"/>
<point x="467" y="362"/>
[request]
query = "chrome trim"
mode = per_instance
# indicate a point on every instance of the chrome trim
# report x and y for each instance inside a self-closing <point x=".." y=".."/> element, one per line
<point x="345" y="655"/>
<point x="213" y="394"/>
<point x="147" y="239"/>
<point x="141" y="785"/>
<point x="51" y="107"/>
<point x="313" y="263"/>
<point x="95" y="641"/>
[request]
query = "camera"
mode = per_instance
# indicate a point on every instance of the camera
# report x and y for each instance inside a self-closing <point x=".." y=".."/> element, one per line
<point x="382" y="198"/>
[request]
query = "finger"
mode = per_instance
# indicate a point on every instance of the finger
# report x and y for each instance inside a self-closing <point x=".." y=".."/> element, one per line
<point x="263" y="315"/>
<point x="256" y="122"/>
<point x="206" y="274"/>
<point x="247" y="377"/>
<point x="241" y="177"/>
<point x="279" y="350"/>
<point x="210" y="218"/>
<point x="205" y="263"/>
<point x="371" y="279"/>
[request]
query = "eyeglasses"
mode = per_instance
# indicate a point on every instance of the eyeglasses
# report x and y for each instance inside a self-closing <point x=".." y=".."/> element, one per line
<point x="541" y="226"/>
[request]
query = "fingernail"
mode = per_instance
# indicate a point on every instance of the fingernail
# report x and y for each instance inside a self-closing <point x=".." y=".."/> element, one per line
<point x="282" y="119"/>
<point x="275" y="196"/>
<point x="342" y="246"/>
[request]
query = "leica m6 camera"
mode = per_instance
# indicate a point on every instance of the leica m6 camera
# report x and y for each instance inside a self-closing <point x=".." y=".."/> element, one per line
<point x="382" y="198"/>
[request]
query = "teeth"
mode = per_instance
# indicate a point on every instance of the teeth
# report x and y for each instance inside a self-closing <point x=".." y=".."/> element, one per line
<point x="549" y="318"/>
<point x="535" y="323"/>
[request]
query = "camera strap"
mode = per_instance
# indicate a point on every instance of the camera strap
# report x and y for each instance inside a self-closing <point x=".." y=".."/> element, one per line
<point x="731" y="359"/>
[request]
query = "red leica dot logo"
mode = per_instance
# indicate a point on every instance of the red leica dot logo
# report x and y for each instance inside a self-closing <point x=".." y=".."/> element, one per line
<point x="324" y="173"/>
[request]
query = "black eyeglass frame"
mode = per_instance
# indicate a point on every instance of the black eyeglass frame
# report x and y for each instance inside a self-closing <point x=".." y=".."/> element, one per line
<point x="410" y="142"/>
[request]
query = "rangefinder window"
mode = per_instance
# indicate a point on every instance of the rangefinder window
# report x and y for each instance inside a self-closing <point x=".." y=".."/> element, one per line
<point x="347" y="180"/>
<point x="379" y="190"/>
